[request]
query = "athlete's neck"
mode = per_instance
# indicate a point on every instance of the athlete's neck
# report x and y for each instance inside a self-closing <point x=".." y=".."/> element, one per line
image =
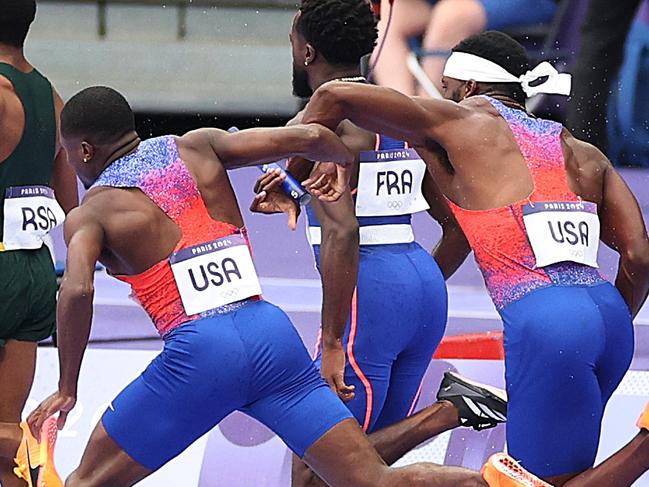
<point x="506" y="100"/>
<point x="331" y="73"/>
<point x="15" y="56"/>
<point x="127" y="144"/>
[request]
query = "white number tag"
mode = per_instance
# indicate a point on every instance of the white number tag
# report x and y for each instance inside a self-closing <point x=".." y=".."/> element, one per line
<point x="30" y="213"/>
<point x="389" y="183"/>
<point x="214" y="274"/>
<point x="561" y="231"/>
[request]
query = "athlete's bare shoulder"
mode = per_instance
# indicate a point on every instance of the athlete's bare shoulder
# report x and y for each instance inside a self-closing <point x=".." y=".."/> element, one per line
<point x="83" y="216"/>
<point x="586" y="167"/>
<point x="99" y="200"/>
<point x="479" y="106"/>
<point x="583" y="154"/>
<point x="199" y="138"/>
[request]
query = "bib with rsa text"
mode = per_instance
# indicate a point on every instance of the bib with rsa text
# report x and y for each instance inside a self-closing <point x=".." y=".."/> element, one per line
<point x="30" y="213"/>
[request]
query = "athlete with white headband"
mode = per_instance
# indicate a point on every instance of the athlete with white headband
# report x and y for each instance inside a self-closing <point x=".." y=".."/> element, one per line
<point x="534" y="203"/>
<point x="464" y="66"/>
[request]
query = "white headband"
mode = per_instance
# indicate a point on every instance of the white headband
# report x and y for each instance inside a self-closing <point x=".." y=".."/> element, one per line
<point x="464" y="66"/>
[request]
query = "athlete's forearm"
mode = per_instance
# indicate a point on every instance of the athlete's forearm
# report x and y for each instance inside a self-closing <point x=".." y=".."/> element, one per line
<point x="74" y="317"/>
<point x="257" y="146"/>
<point x="451" y="251"/>
<point x="339" y="253"/>
<point x="633" y="281"/>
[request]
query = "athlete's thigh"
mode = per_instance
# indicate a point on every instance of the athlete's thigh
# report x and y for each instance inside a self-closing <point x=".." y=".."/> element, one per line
<point x="199" y="378"/>
<point x="383" y="323"/>
<point x="403" y="391"/>
<point x="424" y="312"/>
<point x="287" y="393"/>
<point x="552" y="339"/>
<point x="104" y="463"/>
<point x="17" y="367"/>
<point x="616" y="356"/>
<point x="343" y="456"/>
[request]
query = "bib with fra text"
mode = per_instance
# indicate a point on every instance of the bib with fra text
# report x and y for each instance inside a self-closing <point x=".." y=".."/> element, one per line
<point x="389" y="183"/>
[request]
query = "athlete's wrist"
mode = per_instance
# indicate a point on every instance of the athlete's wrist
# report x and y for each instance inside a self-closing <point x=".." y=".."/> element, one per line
<point x="68" y="390"/>
<point x="331" y="342"/>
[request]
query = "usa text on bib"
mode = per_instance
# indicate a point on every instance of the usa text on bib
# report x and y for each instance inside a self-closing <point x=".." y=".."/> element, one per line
<point x="561" y="231"/>
<point x="214" y="274"/>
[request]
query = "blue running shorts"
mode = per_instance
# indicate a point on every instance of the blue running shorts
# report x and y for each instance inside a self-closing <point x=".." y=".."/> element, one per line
<point x="566" y="351"/>
<point x="251" y="360"/>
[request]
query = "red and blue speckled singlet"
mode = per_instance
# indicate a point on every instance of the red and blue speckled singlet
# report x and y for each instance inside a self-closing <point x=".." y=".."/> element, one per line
<point x="497" y="236"/>
<point x="158" y="171"/>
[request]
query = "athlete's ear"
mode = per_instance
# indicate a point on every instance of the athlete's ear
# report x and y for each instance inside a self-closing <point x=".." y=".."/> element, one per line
<point x="470" y="88"/>
<point x="310" y="55"/>
<point x="87" y="151"/>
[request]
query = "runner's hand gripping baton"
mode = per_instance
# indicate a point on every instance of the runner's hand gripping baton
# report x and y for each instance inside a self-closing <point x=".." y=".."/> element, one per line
<point x="290" y="185"/>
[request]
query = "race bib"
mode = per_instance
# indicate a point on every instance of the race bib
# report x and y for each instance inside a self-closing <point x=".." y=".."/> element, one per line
<point x="561" y="231"/>
<point x="30" y="213"/>
<point x="214" y="274"/>
<point x="389" y="183"/>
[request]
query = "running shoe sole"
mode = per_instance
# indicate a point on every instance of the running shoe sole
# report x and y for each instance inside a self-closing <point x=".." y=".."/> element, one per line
<point x="503" y="471"/>
<point x="480" y="406"/>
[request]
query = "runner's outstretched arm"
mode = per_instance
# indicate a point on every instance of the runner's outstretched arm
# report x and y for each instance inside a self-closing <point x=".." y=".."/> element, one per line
<point x="261" y="145"/>
<point x="84" y="237"/>
<point x="384" y="111"/>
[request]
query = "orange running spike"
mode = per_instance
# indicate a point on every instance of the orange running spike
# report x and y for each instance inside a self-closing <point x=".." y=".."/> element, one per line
<point x="27" y="457"/>
<point x="48" y="476"/>
<point x="503" y="471"/>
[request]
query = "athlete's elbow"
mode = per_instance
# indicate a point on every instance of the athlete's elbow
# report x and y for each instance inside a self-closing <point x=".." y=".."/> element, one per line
<point x="76" y="290"/>
<point x="637" y="256"/>
<point x="312" y="140"/>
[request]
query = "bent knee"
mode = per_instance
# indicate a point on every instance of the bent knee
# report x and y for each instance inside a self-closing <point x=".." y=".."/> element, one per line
<point x="303" y="476"/>
<point x="307" y="479"/>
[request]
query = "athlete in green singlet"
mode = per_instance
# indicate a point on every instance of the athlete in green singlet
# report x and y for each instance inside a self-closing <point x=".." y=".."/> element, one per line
<point x="33" y="168"/>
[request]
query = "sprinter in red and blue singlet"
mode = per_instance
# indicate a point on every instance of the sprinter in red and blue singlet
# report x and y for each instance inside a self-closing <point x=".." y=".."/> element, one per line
<point x="534" y="203"/>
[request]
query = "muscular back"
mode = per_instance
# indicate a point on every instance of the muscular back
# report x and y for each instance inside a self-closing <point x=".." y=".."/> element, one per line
<point x="137" y="233"/>
<point x="127" y="232"/>
<point x="489" y="171"/>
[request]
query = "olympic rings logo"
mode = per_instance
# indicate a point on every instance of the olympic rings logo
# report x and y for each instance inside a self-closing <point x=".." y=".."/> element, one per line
<point x="230" y="293"/>
<point x="395" y="205"/>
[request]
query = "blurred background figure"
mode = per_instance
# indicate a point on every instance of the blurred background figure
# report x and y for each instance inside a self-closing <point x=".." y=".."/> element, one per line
<point x="606" y="108"/>
<point x="441" y="24"/>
